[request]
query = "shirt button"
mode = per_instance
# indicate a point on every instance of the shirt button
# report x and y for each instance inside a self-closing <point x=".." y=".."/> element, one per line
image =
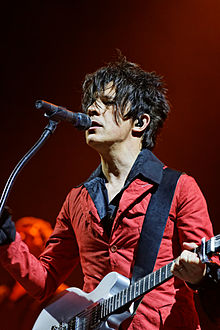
<point x="113" y="248"/>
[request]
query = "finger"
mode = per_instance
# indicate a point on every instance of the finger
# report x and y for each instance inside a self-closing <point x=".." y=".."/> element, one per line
<point x="189" y="246"/>
<point x="189" y="257"/>
<point x="187" y="261"/>
<point x="180" y="272"/>
<point x="175" y="264"/>
<point x="189" y="272"/>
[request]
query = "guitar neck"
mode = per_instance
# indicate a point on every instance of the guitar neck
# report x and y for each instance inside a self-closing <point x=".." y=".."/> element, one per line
<point x="136" y="290"/>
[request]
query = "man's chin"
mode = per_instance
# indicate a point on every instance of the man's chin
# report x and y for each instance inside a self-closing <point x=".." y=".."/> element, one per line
<point x="92" y="141"/>
<point x="96" y="144"/>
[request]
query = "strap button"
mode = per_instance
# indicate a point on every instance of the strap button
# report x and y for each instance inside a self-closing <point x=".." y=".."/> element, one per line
<point x="113" y="248"/>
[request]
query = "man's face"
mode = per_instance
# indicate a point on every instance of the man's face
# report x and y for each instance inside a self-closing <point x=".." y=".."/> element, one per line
<point x="105" y="131"/>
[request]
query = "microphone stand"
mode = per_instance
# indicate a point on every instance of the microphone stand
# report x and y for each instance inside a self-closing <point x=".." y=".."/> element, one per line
<point x="48" y="130"/>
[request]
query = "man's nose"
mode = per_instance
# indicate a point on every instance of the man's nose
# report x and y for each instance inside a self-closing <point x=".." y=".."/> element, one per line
<point x="94" y="109"/>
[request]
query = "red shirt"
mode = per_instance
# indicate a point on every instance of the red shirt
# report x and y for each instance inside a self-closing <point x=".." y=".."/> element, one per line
<point x="79" y="233"/>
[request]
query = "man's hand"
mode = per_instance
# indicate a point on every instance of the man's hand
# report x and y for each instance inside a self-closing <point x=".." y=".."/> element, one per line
<point x="7" y="227"/>
<point x="188" y="267"/>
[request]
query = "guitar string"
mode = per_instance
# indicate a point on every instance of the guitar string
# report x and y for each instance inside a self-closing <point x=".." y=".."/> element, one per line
<point x="89" y="316"/>
<point x="94" y="310"/>
<point x="129" y="289"/>
<point x="108" y="307"/>
<point x="91" y="313"/>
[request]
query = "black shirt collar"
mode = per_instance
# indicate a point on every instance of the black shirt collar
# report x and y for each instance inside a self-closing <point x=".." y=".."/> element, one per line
<point x="147" y="165"/>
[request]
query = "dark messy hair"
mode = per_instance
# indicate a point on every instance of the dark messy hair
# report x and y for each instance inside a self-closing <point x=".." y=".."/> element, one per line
<point x="144" y="91"/>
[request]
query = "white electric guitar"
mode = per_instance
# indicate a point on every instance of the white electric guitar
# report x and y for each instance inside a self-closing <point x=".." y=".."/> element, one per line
<point x="111" y="302"/>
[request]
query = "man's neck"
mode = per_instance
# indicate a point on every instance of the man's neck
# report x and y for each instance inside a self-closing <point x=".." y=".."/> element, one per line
<point x="116" y="165"/>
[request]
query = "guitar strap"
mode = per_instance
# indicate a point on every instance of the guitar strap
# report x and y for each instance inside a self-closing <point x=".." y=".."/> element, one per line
<point x="153" y="226"/>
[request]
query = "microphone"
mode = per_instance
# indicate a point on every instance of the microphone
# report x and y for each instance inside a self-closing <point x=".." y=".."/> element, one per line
<point x="57" y="113"/>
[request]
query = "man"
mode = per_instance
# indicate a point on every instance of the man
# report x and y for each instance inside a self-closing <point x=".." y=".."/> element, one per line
<point x="101" y="220"/>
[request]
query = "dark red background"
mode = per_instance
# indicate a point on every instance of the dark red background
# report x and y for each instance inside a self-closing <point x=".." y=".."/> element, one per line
<point x="48" y="47"/>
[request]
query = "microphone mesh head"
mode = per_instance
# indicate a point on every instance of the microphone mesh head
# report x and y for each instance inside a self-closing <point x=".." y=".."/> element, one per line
<point x="83" y="121"/>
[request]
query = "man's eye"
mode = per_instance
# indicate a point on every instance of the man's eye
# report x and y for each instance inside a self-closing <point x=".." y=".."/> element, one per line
<point x="108" y="102"/>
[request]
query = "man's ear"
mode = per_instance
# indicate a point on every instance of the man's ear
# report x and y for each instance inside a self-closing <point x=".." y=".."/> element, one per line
<point x="140" y="124"/>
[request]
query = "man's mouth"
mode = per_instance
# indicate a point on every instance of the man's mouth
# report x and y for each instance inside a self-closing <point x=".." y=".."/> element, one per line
<point x="95" y="124"/>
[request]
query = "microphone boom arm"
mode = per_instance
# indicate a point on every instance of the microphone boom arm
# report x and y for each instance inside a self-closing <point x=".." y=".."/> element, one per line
<point x="48" y="130"/>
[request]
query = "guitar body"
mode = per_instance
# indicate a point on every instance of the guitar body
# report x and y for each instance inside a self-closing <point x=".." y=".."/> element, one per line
<point x="72" y="301"/>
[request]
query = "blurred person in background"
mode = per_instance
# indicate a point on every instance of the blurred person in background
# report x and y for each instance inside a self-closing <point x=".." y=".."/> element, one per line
<point x="18" y="310"/>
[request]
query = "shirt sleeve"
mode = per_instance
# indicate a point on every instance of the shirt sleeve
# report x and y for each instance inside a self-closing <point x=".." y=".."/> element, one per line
<point x="61" y="253"/>
<point x="41" y="276"/>
<point x="193" y="220"/>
